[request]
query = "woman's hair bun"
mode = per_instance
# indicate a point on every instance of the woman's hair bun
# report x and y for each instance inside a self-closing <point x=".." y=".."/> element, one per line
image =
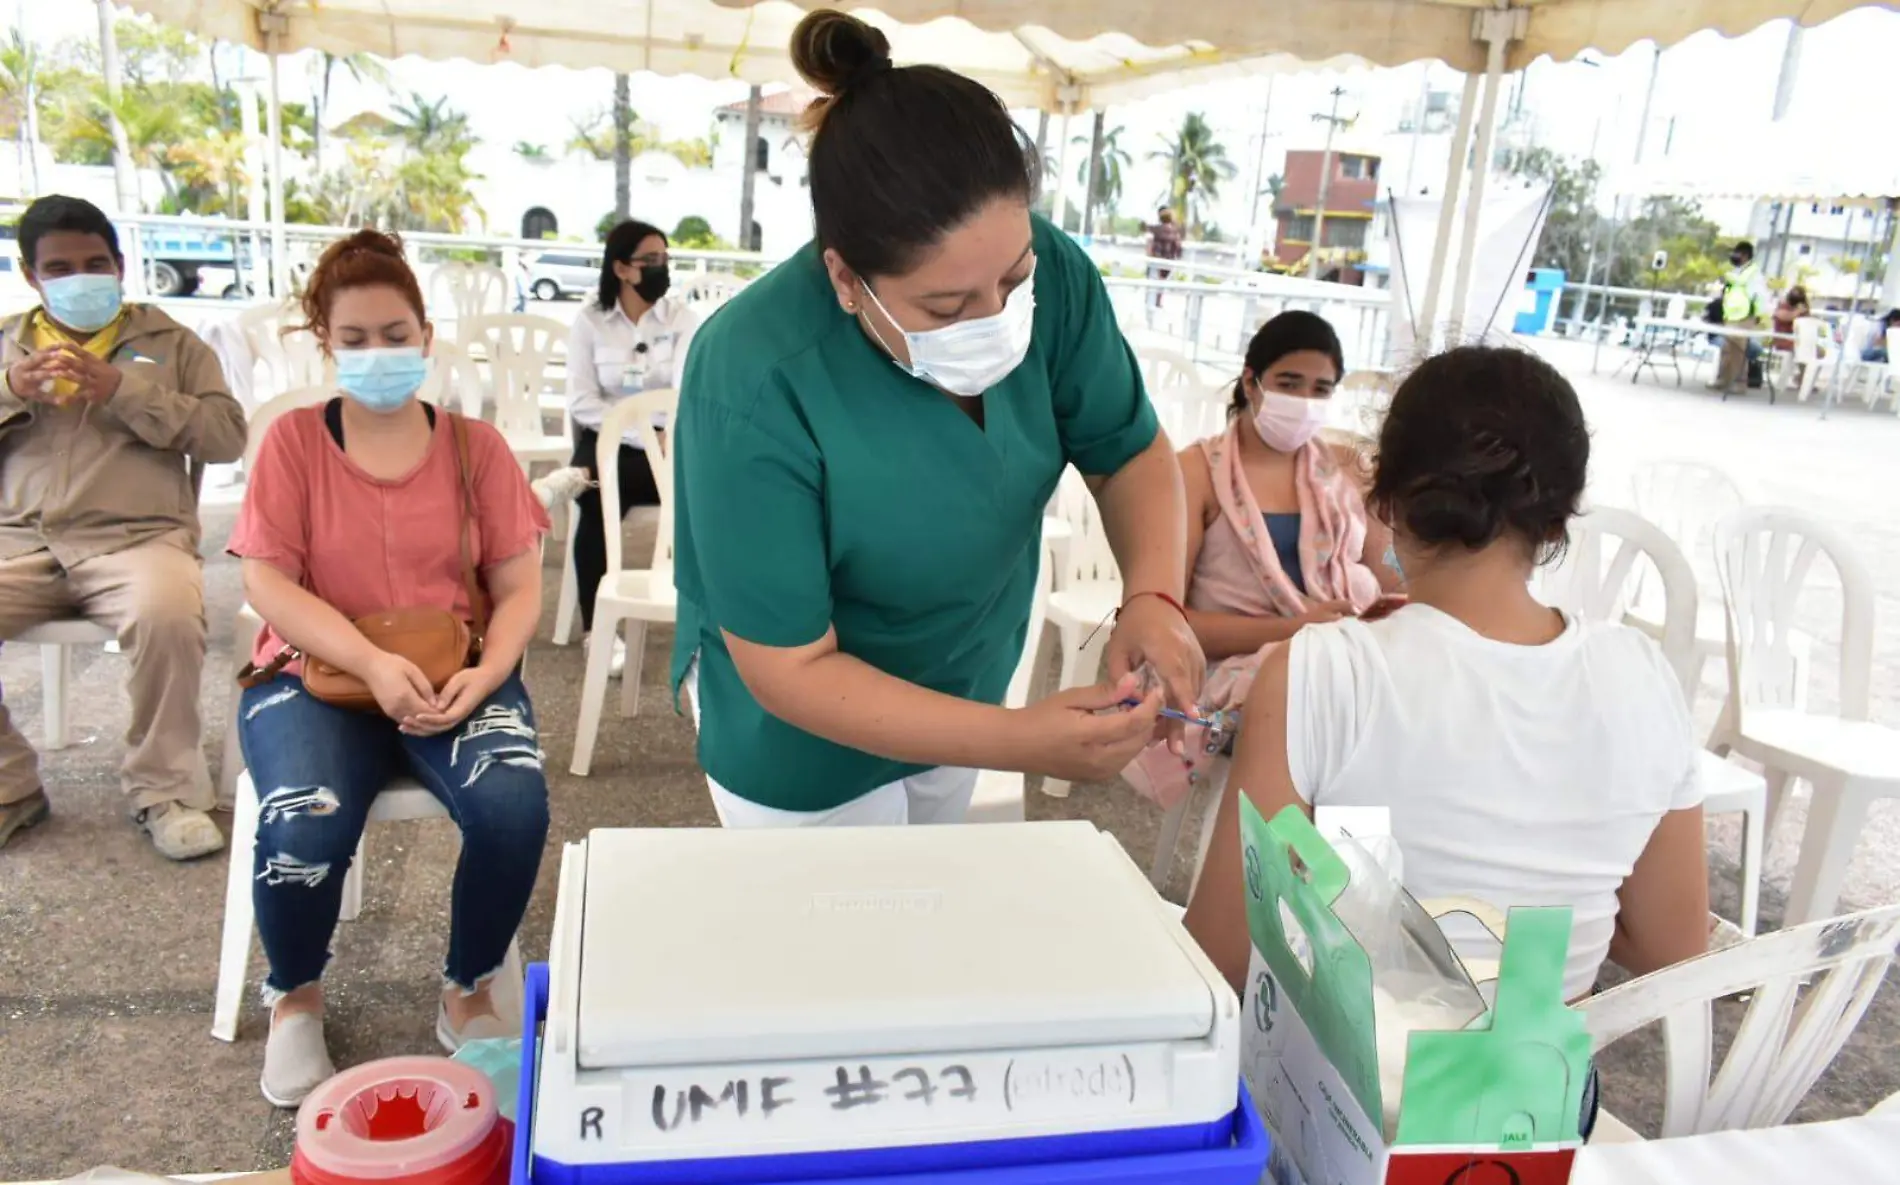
<point x="833" y="50"/>
<point x="369" y="239"/>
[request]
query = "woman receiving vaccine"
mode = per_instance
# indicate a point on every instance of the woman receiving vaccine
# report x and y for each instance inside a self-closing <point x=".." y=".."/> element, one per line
<point x="377" y="464"/>
<point x="868" y="438"/>
<point x="1277" y="532"/>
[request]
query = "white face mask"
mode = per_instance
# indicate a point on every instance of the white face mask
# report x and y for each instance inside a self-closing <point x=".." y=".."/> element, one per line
<point x="970" y="357"/>
<point x="1287" y="422"/>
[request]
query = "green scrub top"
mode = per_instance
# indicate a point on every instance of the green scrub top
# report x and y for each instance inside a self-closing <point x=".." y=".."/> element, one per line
<point x="819" y="486"/>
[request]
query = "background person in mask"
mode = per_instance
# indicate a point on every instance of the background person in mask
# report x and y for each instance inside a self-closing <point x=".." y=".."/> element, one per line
<point x="376" y="463"/>
<point x="103" y="408"/>
<point x="632" y="338"/>
<point x="1277" y="532"/>
<point x="868" y="438"/>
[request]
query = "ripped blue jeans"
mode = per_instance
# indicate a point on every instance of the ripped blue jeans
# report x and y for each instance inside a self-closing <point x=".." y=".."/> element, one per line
<point x="317" y="769"/>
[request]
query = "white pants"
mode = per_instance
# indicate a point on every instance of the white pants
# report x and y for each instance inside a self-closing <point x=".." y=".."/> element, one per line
<point x="940" y="795"/>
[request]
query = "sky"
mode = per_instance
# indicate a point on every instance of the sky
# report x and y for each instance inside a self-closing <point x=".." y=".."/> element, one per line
<point x="1713" y="97"/>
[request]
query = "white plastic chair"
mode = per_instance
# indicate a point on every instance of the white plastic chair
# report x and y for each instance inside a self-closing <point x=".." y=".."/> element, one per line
<point x="1812" y="350"/>
<point x="518" y="349"/>
<point x="1188" y="414"/>
<point x="1593" y="582"/>
<point x="637" y="597"/>
<point x="401" y="800"/>
<point x="1765" y="556"/>
<point x="291" y="357"/>
<point x="1810" y="986"/>
<point x="56" y="640"/>
<point x="1686" y="499"/>
<point x="475" y="289"/>
<point x="998" y="797"/>
<point x="1086" y="595"/>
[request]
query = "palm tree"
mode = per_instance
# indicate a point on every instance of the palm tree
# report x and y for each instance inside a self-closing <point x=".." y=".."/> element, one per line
<point x="1197" y="164"/>
<point x="432" y="126"/>
<point x="623" y="147"/>
<point x="19" y="86"/>
<point x="212" y="163"/>
<point x="1107" y="194"/>
<point x="360" y="66"/>
<point x="527" y="150"/>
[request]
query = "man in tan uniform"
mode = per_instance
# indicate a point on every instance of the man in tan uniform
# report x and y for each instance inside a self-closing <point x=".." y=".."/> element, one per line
<point x="104" y="410"/>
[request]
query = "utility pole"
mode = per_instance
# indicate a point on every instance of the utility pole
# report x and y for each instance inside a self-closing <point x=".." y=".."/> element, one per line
<point x="1332" y="122"/>
<point x="1260" y="165"/>
<point x="126" y="181"/>
<point x="749" y="170"/>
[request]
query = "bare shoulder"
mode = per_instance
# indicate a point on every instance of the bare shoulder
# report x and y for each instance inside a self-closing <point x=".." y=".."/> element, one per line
<point x="1197" y="478"/>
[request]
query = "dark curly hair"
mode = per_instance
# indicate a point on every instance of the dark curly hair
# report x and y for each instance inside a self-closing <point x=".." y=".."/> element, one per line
<point x="1482" y="442"/>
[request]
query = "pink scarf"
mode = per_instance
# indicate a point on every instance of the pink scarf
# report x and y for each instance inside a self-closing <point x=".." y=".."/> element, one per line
<point x="1238" y="571"/>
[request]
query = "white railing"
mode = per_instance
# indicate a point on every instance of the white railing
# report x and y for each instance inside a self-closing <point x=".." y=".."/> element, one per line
<point x="1210" y="319"/>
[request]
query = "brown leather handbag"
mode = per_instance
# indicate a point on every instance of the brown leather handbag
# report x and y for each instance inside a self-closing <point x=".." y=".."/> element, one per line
<point x="436" y="640"/>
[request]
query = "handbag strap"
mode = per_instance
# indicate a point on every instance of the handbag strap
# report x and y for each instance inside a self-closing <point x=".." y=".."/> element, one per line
<point x="465" y="469"/>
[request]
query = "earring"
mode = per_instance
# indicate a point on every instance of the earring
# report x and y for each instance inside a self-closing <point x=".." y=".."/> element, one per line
<point x="850" y="306"/>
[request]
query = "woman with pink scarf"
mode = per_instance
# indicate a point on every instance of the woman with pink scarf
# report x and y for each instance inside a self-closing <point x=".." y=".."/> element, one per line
<point x="1278" y="535"/>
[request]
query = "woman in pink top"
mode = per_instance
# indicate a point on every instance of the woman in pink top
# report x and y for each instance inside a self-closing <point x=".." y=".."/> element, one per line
<point x="355" y="507"/>
<point x="1278" y="535"/>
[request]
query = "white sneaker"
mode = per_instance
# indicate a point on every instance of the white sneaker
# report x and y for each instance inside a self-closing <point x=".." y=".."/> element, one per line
<point x="617" y="665"/>
<point x="296" y="1061"/>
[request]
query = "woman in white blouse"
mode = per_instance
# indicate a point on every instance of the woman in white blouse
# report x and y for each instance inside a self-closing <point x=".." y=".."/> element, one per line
<point x="1527" y="758"/>
<point x="631" y="338"/>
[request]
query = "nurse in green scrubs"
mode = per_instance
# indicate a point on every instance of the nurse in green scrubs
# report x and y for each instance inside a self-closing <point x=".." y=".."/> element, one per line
<point x="867" y="439"/>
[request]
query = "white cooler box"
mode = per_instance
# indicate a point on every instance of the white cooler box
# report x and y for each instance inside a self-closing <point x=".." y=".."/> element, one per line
<point x="979" y="995"/>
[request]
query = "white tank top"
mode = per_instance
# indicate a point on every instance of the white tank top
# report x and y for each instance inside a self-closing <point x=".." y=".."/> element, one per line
<point x="1519" y="775"/>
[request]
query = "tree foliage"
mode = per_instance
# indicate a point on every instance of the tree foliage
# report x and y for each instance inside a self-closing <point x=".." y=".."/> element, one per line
<point x="1577" y="226"/>
<point x="1197" y="164"/>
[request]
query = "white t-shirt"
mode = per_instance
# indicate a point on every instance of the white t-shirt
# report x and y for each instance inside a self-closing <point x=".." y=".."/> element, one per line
<point x="1519" y="775"/>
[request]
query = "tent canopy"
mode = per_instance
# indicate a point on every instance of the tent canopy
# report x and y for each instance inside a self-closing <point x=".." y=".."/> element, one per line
<point x="1035" y="53"/>
<point x="1027" y="65"/>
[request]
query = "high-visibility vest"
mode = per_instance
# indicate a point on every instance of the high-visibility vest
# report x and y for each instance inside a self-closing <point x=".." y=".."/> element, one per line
<point x="1738" y="295"/>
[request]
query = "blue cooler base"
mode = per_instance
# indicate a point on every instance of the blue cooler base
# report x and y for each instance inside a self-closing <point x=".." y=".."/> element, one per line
<point x="1232" y="1151"/>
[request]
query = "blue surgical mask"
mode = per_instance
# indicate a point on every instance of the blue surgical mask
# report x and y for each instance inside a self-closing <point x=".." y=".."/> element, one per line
<point x="87" y="302"/>
<point x="381" y="379"/>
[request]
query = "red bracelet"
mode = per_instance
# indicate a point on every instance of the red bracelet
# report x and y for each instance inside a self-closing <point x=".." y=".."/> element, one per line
<point x="1165" y="598"/>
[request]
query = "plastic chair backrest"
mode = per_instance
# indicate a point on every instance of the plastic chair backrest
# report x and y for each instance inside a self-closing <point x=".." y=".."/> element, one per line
<point x="1089" y="556"/>
<point x="1593" y="581"/>
<point x="1678" y="308"/>
<point x="475" y="289"/>
<point x="1017" y="696"/>
<point x="517" y="348"/>
<point x="1190" y="415"/>
<point x="1763" y="556"/>
<point x="268" y="411"/>
<point x="1810" y="987"/>
<point x="1859" y="331"/>
<point x="453" y="381"/>
<point x="1686" y="499"/>
<point x="636" y="414"/>
<point x="1808" y="332"/>
<point x="1163" y="369"/>
<point x="292" y="358"/>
